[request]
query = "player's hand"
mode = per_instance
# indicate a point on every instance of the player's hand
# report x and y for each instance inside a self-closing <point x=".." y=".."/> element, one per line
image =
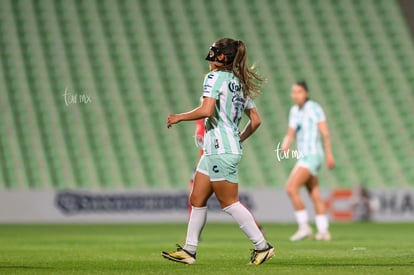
<point x="172" y="119"/>
<point x="330" y="162"/>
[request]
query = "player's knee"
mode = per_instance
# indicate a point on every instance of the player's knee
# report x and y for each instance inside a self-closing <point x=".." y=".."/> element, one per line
<point x="197" y="201"/>
<point x="291" y="190"/>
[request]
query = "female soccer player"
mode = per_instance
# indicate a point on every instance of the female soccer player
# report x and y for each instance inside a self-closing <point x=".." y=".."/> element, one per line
<point x="228" y="92"/>
<point x="199" y="141"/>
<point x="307" y="121"/>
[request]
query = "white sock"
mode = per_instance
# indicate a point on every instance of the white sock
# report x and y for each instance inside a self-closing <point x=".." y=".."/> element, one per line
<point x="322" y="223"/>
<point x="302" y="218"/>
<point x="196" y="224"/>
<point x="247" y="223"/>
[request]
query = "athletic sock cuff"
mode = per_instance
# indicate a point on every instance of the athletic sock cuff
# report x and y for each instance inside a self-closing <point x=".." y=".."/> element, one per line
<point x="227" y="208"/>
<point x="199" y="208"/>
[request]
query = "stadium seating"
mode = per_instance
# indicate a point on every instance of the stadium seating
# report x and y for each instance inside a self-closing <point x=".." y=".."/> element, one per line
<point x="130" y="63"/>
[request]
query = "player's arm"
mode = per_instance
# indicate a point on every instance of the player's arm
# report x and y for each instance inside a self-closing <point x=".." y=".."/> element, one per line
<point x="291" y="131"/>
<point x="288" y="139"/>
<point x="323" y="128"/>
<point x="252" y="125"/>
<point x="206" y="109"/>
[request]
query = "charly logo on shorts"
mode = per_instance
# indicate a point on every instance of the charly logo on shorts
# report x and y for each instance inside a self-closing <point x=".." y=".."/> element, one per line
<point x="215" y="169"/>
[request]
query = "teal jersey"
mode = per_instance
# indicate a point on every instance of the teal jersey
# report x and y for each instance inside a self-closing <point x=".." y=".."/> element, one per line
<point x="305" y="123"/>
<point x="222" y="134"/>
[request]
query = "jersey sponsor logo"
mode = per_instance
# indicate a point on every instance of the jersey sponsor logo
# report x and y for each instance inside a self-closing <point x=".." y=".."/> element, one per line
<point x="234" y="87"/>
<point x="238" y="100"/>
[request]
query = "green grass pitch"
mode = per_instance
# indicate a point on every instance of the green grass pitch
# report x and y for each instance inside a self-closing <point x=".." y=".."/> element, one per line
<point x="360" y="248"/>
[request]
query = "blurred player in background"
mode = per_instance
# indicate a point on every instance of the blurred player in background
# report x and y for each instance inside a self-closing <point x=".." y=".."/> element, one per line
<point x="228" y="92"/>
<point x="363" y="203"/>
<point x="307" y="122"/>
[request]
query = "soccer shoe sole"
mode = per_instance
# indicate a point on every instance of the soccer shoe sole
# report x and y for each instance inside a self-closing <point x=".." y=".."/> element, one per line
<point x="270" y="253"/>
<point x="167" y="256"/>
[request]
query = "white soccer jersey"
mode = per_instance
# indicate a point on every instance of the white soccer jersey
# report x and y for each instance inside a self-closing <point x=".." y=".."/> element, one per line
<point x="305" y="122"/>
<point x="222" y="135"/>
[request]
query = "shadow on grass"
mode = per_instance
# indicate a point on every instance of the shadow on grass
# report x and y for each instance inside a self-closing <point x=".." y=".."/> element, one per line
<point x="347" y="264"/>
<point x="2" y="266"/>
